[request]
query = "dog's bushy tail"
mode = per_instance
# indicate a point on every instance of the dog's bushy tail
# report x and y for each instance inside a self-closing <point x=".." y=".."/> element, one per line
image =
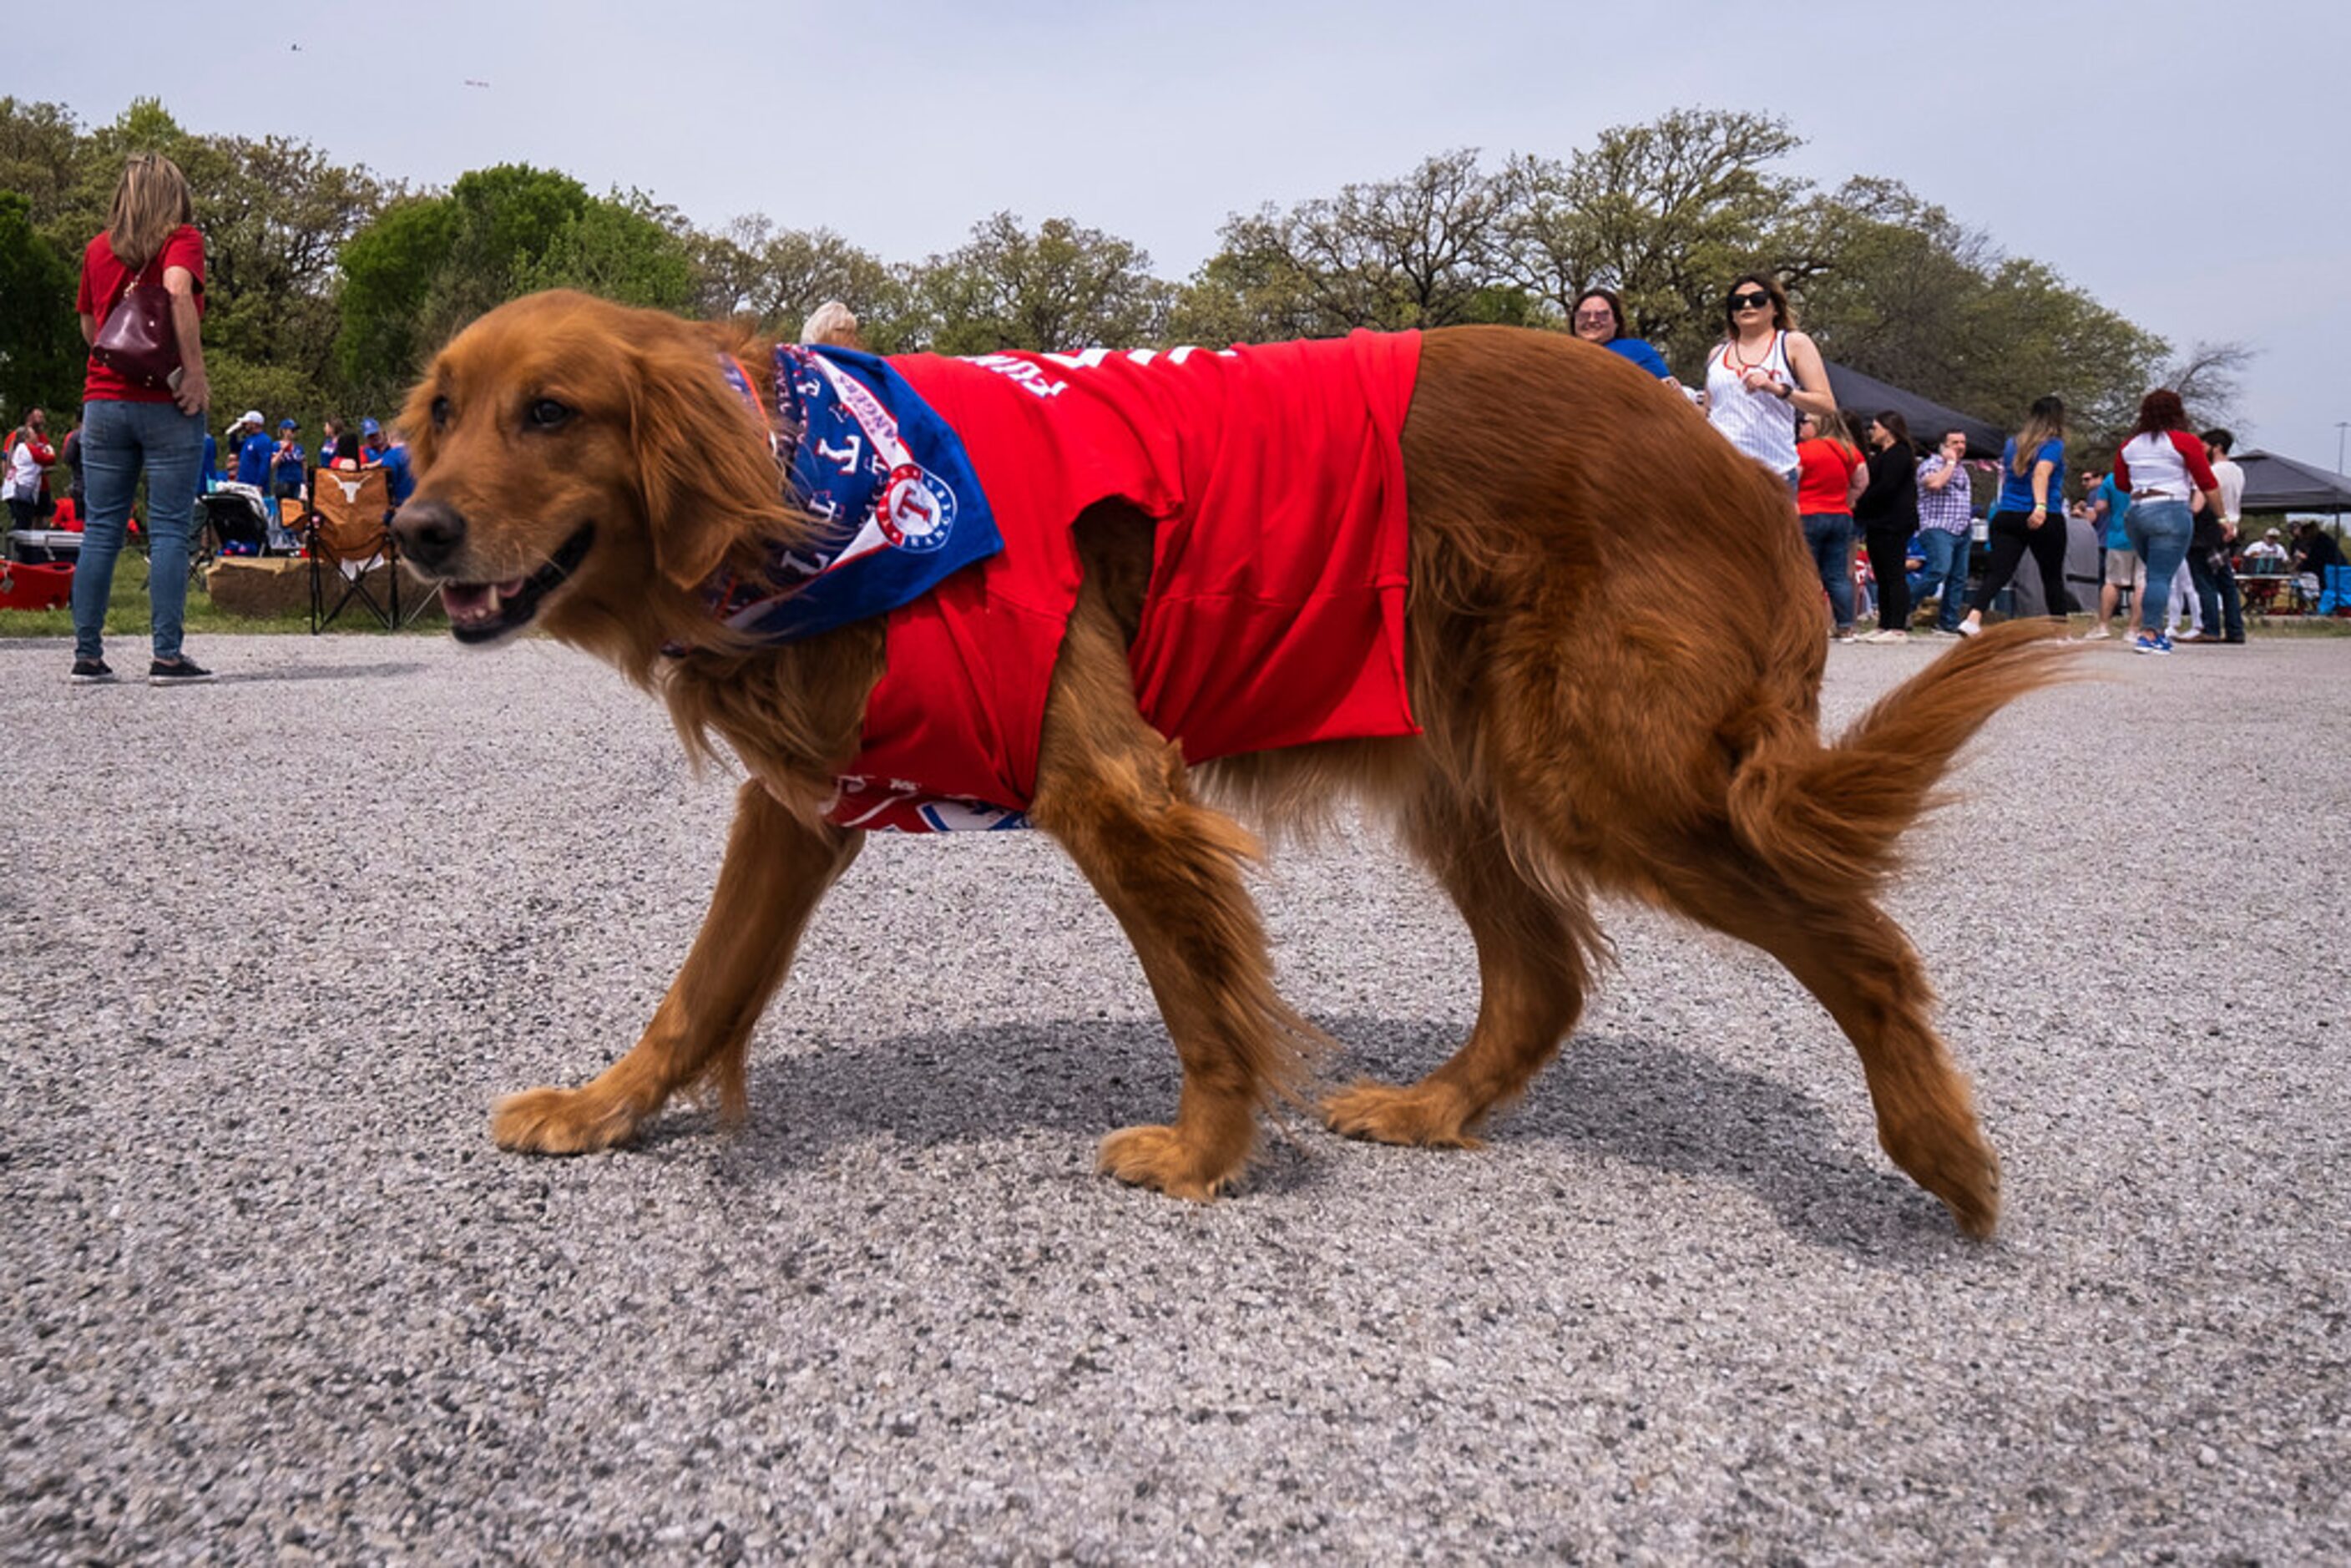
<point x="1828" y="818"/>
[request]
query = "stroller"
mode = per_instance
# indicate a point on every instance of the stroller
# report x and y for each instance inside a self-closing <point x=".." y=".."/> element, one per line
<point x="239" y="518"/>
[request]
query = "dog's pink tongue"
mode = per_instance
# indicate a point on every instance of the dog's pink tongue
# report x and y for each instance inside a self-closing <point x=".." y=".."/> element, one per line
<point x="468" y="601"/>
<point x="511" y="587"/>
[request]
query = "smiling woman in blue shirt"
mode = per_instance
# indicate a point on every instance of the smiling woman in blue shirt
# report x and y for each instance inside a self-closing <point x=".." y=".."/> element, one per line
<point x="1599" y="318"/>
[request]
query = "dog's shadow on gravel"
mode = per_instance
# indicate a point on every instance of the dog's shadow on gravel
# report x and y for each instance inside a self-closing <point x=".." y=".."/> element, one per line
<point x="1623" y="1097"/>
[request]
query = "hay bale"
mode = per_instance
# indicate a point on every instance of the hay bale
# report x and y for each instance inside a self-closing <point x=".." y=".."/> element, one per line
<point x="259" y="586"/>
<point x="262" y="586"/>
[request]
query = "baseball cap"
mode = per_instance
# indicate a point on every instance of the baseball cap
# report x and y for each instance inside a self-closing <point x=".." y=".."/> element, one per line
<point x="288" y="424"/>
<point x="370" y="427"/>
<point x="251" y="416"/>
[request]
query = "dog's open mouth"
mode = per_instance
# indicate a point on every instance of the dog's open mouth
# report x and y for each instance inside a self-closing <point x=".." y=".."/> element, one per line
<point x="480" y="611"/>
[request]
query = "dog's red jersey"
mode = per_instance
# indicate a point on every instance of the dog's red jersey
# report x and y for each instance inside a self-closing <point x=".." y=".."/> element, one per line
<point x="1276" y="614"/>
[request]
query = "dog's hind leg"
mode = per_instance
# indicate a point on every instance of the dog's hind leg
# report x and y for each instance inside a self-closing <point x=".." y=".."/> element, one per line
<point x="1112" y="793"/>
<point x="1535" y="941"/>
<point x="777" y="868"/>
<point x="1852" y="956"/>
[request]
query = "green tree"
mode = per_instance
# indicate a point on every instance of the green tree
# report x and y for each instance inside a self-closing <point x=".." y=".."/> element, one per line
<point x="41" y="152"/>
<point x="40" y="339"/>
<point x="622" y="248"/>
<point x="1420" y="251"/>
<point x="429" y="264"/>
<point x="1891" y="285"/>
<point x="1063" y="286"/>
<point x="275" y="216"/>
<point x="1666" y="213"/>
<point x="774" y="277"/>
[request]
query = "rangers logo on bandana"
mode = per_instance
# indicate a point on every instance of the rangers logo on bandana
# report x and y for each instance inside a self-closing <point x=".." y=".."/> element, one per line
<point x="900" y="507"/>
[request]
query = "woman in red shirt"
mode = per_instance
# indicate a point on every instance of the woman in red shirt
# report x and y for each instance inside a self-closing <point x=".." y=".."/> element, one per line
<point x="150" y="239"/>
<point x="1829" y="473"/>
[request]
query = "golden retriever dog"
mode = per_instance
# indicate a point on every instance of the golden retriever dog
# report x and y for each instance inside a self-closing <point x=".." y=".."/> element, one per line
<point x="1614" y="657"/>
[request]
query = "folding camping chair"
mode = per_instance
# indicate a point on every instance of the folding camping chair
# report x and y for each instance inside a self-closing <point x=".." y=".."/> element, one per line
<point x="346" y="533"/>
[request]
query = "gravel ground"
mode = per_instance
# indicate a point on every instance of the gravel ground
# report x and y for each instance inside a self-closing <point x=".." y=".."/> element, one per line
<point x="270" y="1291"/>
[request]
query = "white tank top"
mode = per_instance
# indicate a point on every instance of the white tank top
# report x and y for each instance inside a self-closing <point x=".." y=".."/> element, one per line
<point x="1758" y="423"/>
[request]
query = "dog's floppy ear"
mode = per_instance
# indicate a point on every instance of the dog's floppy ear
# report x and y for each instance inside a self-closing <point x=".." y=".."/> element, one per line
<point x="708" y="474"/>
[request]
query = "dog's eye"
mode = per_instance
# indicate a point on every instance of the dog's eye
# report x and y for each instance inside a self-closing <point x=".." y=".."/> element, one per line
<point x="547" y="414"/>
<point x="440" y="414"/>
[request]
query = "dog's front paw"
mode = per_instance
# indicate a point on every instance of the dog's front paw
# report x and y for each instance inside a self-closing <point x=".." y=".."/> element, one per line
<point x="1429" y="1117"/>
<point x="560" y="1122"/>
<point x="1160" y="1158"/>
<point x="1957" y="1166"/>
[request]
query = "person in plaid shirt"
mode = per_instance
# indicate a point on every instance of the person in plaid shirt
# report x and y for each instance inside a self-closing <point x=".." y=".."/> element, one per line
<point x="1946" y="516"/>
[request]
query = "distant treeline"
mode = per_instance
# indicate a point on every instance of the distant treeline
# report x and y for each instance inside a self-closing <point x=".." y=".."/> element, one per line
<point x="330" y="284"/>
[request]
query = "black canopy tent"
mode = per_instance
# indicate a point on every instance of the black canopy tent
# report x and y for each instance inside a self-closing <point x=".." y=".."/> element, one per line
<point x="1863" y="396"/>
<point x="2275" y="483"/>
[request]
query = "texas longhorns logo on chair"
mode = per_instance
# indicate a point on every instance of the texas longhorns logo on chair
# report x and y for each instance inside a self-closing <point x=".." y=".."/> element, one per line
<point x="345" y="530"/>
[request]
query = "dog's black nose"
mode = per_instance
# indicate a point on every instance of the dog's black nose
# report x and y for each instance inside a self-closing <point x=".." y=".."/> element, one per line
<point x="430" y="533"/>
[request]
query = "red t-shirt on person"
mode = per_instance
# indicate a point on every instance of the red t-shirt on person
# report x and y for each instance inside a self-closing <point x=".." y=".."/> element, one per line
<point x="104" y="282"/>
<point x="1825" y="470"/>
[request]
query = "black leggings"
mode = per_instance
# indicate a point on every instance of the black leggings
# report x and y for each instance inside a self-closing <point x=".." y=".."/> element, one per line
<point x="2009" y="540"/>
<point x="1888" y="563"/>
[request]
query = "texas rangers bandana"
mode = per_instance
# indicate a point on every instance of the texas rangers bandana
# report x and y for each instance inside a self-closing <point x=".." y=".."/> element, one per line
<point x="897" y="503"/>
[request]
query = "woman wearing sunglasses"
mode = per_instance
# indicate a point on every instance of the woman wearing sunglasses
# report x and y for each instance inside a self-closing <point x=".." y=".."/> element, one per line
<point x="1763" y="375"/>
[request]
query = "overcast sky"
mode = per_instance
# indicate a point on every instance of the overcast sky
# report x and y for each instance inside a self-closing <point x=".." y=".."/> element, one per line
<point x="2184" y="164"/>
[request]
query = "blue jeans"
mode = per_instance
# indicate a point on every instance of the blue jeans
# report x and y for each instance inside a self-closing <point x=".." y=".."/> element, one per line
<point x="1945" y="575"/>
<point x="1829" y="536"/>
<point x="2159" y="531"/>
<point x="117" y="439"/>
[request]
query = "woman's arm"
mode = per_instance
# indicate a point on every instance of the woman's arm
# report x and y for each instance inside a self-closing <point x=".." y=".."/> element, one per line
<point x="1859" y="482"/>
<point x="195" y="391"/>
<point x="2043" y="472"/>
<point x="89" y="327"/>
<point x="1811" y="393"/>
<point x="2200" y="472"/>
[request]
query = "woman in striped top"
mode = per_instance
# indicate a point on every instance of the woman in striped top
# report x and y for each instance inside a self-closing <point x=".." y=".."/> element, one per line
<point x="1763" y="374"/>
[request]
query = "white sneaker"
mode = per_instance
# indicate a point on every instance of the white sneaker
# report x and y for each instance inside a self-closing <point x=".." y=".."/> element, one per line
<point x="1970" y="628"/>
<point x="1887" y="634"/>
<point x="2097" y="634"/>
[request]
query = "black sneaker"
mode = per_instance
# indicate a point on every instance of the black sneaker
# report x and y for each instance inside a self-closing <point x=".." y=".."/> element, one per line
<point x="180" y="672"/>
<point x="91" y="672"/>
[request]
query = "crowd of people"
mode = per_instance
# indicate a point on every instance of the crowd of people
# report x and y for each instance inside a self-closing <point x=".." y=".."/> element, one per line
<point x="2168" y="513"/>
<point x="276" y="468"/>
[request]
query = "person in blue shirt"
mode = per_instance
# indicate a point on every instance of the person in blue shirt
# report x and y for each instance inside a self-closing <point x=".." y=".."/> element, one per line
<point x="1599" y="318"/>
<point x="286" y="463"/>
<point x="2029" y="514"/>
<point x="2102" y="505"/>
<point x="252" y="447"/>
<point x="379" y="450"/>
